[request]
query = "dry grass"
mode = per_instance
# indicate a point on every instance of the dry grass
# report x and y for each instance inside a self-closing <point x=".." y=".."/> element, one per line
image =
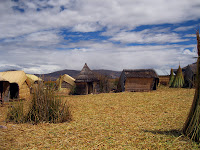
<point x="151" y="120"/>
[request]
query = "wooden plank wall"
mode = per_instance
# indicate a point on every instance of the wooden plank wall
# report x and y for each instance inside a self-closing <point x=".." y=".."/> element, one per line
<point x="138" y="84"/>
<point x="81" y="88"/>
<point x="164" y="80"/>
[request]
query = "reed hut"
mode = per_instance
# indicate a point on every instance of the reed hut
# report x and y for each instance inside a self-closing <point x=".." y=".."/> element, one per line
<point x="190" y="75"/>
<point x="86" y="82"/>
<point x="65" y="83"/>
<point x="14" y="85"/>
<point x="33" y="79"/>
<point x="139" y="80"/>
<point x="164" y="80"/>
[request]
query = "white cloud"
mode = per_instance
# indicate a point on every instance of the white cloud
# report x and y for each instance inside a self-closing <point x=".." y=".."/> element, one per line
<point x="86" y="27"/>
<point x="185" y="28"/>
<point x="113" y="13"/>
<point x="102" y="55"/>
<point x="29" y="40"/>
<point x="190" y="35"/>
<point x="147" y="36"/>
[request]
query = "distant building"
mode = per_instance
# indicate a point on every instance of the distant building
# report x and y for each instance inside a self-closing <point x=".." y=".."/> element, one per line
<point x="190" y="75"/>
<point x="65" y="83"/>
<point x="138" y="80"/>
<point x="163" y="76"/>
<point x="14" y="85"/>
<point x="33" y="78"/>
<point x="86" y="82"/>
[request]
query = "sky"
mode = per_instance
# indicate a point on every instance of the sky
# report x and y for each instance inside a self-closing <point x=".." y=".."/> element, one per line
<point x="43" y="36"/>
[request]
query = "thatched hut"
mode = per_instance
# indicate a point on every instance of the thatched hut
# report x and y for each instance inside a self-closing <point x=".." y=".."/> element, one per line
<point x="164" y="80"/>
<point x="190" y="75"/>
<point x="86" y="82"/>
<point x="14" y="85"/>
<point x="138" y="80"/>
<point x="33" y="78"/>
<point x="65" y="83"/>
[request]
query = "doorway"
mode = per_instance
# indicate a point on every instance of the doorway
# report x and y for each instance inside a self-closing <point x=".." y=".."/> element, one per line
<point x="14" y="91"/>
<point x="90" y="87"/>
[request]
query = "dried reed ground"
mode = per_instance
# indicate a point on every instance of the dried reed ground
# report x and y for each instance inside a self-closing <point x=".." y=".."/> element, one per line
<point x="150" y="120"/>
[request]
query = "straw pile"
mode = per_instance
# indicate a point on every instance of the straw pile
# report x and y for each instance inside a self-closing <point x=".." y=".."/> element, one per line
<point x="171" y="78"/>
<point x="179" y="79"/>
<point x="192" y="124"/>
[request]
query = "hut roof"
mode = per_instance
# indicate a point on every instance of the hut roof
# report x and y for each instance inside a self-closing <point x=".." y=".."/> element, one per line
<point x="33" y="78"/>
<point x="18" y="77"/>
<point x="86" y="75"/>
<point x="140" y="73"/>
<point x="162" y="72"/>
<point x="2" y="79"/>
<point x="67" y="79"/>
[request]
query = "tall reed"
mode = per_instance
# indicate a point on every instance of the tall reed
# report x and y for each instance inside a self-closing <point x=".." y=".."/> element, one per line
<point x="44" y="107"/>
<point x="192" y="125"/>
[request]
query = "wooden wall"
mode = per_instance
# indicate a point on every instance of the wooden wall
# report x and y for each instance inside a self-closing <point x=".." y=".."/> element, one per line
<point x="84" y="88"/>
<point x="164" y="80"/>
<point x="189" y="77"/>
<point x="139" y="84"/>
<point x="81" y="88"/>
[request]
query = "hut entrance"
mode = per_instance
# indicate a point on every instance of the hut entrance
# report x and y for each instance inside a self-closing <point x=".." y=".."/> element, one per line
<point x="1" y="91"/>
<point x="14" y="91"/>
<point x="90" y="87"/>
<point x="156" y="81"/>
<point x="4" y="91"/>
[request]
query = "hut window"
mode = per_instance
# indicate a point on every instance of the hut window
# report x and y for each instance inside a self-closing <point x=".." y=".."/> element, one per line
<point x="14" y="91"/>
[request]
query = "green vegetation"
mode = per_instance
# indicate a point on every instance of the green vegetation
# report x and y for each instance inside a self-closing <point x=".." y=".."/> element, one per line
<point x="171" y="78"/>
<point x="179" y="79"/>
<point x="44" y="107"/>
<point x="15" y="112"/>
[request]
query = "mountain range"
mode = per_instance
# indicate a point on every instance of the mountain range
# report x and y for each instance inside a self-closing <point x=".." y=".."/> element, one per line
<point x="74" y="73"/>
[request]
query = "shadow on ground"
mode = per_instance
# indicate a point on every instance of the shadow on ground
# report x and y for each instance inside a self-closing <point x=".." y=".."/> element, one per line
<point x="173" y="132"/>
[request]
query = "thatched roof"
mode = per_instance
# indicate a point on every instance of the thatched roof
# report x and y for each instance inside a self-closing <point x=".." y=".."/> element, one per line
<point x="66" y="78"/>
<point x="2" y="79"/>
<point x="140" y="73"/>
<point x="86" y="75"/>
<point x="33" y="78"/>
<point x="18" y="77"/>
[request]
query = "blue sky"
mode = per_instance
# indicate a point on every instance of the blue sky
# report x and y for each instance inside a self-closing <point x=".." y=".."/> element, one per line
<point x="43" y="36"/>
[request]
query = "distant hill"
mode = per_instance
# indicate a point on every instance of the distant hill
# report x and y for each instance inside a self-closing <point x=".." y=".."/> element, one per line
<point x="74" y="73"/>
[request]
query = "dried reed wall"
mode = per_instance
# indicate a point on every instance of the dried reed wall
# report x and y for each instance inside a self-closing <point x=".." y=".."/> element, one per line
<point x="164" y="80"/>
<point x="138" y="84"/>
<point x="24" y="91"/>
